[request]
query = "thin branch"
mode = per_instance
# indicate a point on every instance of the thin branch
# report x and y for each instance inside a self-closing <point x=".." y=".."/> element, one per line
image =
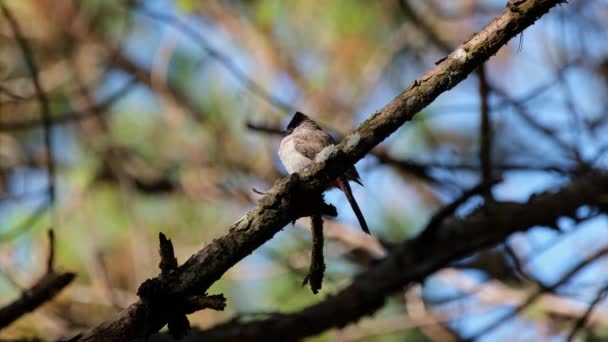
<point x="522" y="112"/>
<point x="44" y="290"/>
<point x="11" y="94"/>
<point x="537" y="294"/>
<point x="517" y="263"/>
<point x="422" y="25"/>
<point x="50" y="261"/>
<point x="144" y="76"/>
<point x="40" y="94"/>
<point x="431" y="228"/>
<point x="582" y="321"/>
<point x="221" y="58"/>
<point x="72" y="116"/>
<point x="41" y="292"/>
<point x="27" y="224"/>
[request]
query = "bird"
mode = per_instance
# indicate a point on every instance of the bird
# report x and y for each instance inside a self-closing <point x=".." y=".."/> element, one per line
<point x="303" y="140"/>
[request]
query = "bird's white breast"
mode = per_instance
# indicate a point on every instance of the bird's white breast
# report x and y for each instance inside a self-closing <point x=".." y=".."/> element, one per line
<point x="290" y="157"/>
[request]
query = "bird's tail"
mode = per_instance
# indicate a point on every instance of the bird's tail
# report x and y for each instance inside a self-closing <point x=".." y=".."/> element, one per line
<point x="345" y="187"/>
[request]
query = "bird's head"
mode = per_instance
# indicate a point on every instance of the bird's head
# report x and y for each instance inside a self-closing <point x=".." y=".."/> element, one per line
<point x="297" y="120"/>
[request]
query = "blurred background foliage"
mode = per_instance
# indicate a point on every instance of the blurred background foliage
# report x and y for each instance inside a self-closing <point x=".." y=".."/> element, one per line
<point x="158" y="110"/>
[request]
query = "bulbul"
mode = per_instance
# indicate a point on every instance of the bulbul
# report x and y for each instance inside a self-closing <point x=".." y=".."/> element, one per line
<point x="304" y="139"/>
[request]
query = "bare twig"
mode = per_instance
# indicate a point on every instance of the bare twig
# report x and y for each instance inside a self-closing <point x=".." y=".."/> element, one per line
<point x="29" y="222"/>
<point x="221" y="58"/>
<point x="168" y="262"/>
<point x="42" y="291"/>
<point x="50" y="262"/>
<point x="537" y="294"/>
<point x="71" y="116"/>
<point x="11" y="94"/>
<point x="423" y="26"/>
<point x="157" y="297"/>
<point x="431" y="228"/>
<point x="40" y="94"/>
<point x="580" y="323"/>
<point x="517" y="263"/>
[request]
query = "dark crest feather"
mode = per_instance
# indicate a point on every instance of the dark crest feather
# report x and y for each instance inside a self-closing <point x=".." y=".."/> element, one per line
<point x="297" y="119"/>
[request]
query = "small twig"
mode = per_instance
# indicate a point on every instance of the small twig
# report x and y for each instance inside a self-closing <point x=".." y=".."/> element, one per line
<point x="40" y="94"/>
<point x="11" y="94"/>
<point x="582" y="321"/>
<point x="29" y="222"/>
<point x="79" y="115"/>
<point x="50" y="263"/>
<point x="443" y="213"/>
<point x="155" y="294"/>
<point x="317" y="264"/>
<point x="517" y="263"/>
<point x="522" y="112"/>
<point x="44" y="290"/>
<point x="168" y="261"/>
<point x="538" y="293"/>
<point x="221" y="58"/>
<point x="424" y="27"/>
<point x="196" y="303"/>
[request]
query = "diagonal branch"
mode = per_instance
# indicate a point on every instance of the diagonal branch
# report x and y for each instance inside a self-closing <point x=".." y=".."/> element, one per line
<point x="582" y="321"/>
<point x="41" y="95"/>
<point x="537" y="294"/>
<point x="45" y="289"/>
<point x="287" y="200"/>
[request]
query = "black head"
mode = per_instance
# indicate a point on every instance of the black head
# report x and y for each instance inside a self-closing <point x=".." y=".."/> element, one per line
<point x="297" y="119"/>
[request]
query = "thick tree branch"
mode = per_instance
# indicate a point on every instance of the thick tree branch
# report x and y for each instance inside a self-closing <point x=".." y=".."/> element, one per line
<point x="288" y="199"/>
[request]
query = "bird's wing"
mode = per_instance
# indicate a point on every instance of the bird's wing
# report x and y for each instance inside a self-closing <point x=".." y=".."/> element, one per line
<point x="312" y="143"/>
<point x="309" y="145"/>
